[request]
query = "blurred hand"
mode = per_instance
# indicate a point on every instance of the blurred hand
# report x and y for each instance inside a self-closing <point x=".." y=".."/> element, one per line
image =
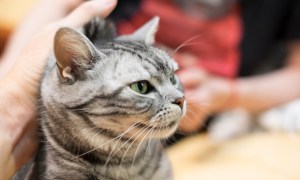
<point x="186" y="60"/>
<point x="205" y="95"/>
<point x="19" y="89"/>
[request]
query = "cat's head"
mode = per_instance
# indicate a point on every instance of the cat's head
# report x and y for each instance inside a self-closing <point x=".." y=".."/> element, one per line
<point x="125" y="86"/>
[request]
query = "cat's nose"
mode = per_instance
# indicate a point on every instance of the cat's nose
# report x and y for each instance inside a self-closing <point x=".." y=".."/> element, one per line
<point x="179" y="101"/>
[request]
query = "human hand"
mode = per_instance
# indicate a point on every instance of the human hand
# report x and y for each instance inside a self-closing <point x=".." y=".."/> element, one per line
<point x="186" y="60"/>
<point x="205" y="94"/>
<point x="33" y="24"/>
<point x="19" y="89"/>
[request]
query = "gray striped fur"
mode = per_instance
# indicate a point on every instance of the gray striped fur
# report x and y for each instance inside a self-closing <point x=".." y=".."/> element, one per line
<point x="95" y="126"/>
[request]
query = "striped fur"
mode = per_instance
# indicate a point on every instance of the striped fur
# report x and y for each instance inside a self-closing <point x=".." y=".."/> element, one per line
<point x="99" y="128"/>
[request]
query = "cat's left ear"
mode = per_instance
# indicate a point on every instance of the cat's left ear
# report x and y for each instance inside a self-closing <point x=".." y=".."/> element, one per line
<point x="146" y="33"/>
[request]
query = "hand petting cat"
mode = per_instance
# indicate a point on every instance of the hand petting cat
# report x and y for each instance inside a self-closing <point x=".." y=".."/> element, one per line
<point x="19" y="88"/>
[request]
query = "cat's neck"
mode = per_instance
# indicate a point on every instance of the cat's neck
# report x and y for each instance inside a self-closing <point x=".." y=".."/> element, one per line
<point x="132" y="160"/>
<point x="109" y="152"/>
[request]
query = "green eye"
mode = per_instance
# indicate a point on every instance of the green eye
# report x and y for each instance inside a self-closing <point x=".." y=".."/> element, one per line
<point x="141" y="87"/>
<point x="173" y="80"/>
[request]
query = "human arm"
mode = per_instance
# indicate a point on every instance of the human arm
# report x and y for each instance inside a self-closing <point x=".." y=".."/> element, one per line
<point x="19" y="88"/>
<point x="265" y="91"/>
<point x="209" y="94"/>
<point x="39" y="16"/>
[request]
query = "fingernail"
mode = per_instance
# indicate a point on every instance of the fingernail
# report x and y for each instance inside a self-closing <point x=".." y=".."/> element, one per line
<point x="109" y="3"/>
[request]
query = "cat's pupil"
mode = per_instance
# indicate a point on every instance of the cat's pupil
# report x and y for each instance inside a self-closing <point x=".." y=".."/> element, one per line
<point x="173" y="80"/>
<point x="141" y="86"/>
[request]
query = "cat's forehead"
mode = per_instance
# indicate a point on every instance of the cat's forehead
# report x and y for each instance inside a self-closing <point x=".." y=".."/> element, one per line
<point x="149" y="55"/>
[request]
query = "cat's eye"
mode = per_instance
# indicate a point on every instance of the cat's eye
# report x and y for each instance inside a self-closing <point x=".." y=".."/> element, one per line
<point x="142" y="87"/>
<point x="173" y="79"/>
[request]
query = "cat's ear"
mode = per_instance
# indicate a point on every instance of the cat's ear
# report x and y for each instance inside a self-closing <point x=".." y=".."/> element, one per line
<point x="146" y="33"/>
<point x="74" y="53"/>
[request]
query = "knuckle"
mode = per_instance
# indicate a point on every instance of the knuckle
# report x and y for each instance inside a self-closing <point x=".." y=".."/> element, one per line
<point x="87" y="8"/>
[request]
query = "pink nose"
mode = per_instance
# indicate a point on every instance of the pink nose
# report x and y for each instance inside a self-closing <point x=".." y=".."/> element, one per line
<point x="179" y="102"/>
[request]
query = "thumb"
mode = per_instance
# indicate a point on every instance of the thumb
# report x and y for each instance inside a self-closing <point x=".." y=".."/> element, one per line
<point x="33" y="58"/>
<point x="88" y="10"/>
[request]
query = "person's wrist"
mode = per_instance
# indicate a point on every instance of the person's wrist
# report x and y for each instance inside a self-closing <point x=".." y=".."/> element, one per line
<point x="228" y="96"/>
<point x="15" y="116"/>
<point x="15" y="102"/>
<point x="232" y="99"/>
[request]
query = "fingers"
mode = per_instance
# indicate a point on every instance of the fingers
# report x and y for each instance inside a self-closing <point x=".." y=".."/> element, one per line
<point x="194" y="118"/>
<point x="186" y="60"/>
<point x="86" y="11"/>
<point x="33" y="58"/>
<point x="192" y="77"/>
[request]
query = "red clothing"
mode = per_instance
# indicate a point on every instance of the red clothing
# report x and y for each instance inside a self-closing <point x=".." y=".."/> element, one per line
<point x="215" y="43"/>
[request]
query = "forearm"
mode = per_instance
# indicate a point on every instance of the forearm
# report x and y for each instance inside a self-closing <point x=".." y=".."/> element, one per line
<point x="14" y="110"/>
<point x="265" y="91"/>
<point x="17" y="129"/>
<point x="262" y="92"/>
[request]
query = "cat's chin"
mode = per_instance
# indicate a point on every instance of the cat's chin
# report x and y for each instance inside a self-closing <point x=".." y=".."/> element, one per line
<point x="158" y="132"/>
<point x="164" y="133"/>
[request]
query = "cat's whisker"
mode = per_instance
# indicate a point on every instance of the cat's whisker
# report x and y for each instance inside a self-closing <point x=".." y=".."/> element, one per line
<point x="108" y="141"/>
<point x="185" y="42"/>
<point x="164" y="142"/>
<point x="192" y="100"/>
<point x="203" y="109"/>
<point x="149" y="140"/>
<point x="201" y="123"/>
<point x="113" y="152"/>
<point x="137" y="149"/>
<point x="148" y="144"/>
<point x="137" y="133"/>
<point x="181" y="132"/>
<point x="189" y="44"/>
<point x="192" y="113"/>
<point x="125" y="143"/>
<point x="96" y="133"/>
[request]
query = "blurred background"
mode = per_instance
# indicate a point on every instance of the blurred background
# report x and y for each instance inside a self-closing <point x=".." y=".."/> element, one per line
<point x="11" y="14"/>
<point x="247" y="120"/>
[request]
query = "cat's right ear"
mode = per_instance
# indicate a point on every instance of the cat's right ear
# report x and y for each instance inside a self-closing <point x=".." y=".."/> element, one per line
<point x="74" y="54"/>
<point x="145" y="34"/>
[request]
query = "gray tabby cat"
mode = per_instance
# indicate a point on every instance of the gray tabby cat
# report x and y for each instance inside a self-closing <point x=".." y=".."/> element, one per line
<point x="106" y="104"/>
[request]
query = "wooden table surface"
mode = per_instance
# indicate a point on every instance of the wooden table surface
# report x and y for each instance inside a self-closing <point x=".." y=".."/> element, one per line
<point x="262" y="156"/>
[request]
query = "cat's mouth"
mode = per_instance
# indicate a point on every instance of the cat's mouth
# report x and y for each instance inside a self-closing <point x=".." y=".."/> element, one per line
<point x="157" y="127"/>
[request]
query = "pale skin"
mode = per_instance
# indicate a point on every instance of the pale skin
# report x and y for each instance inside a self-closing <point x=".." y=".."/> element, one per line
<point x="31" y="25"/>
<point x="207" y="94"/>
<point x="19" y="86"/>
